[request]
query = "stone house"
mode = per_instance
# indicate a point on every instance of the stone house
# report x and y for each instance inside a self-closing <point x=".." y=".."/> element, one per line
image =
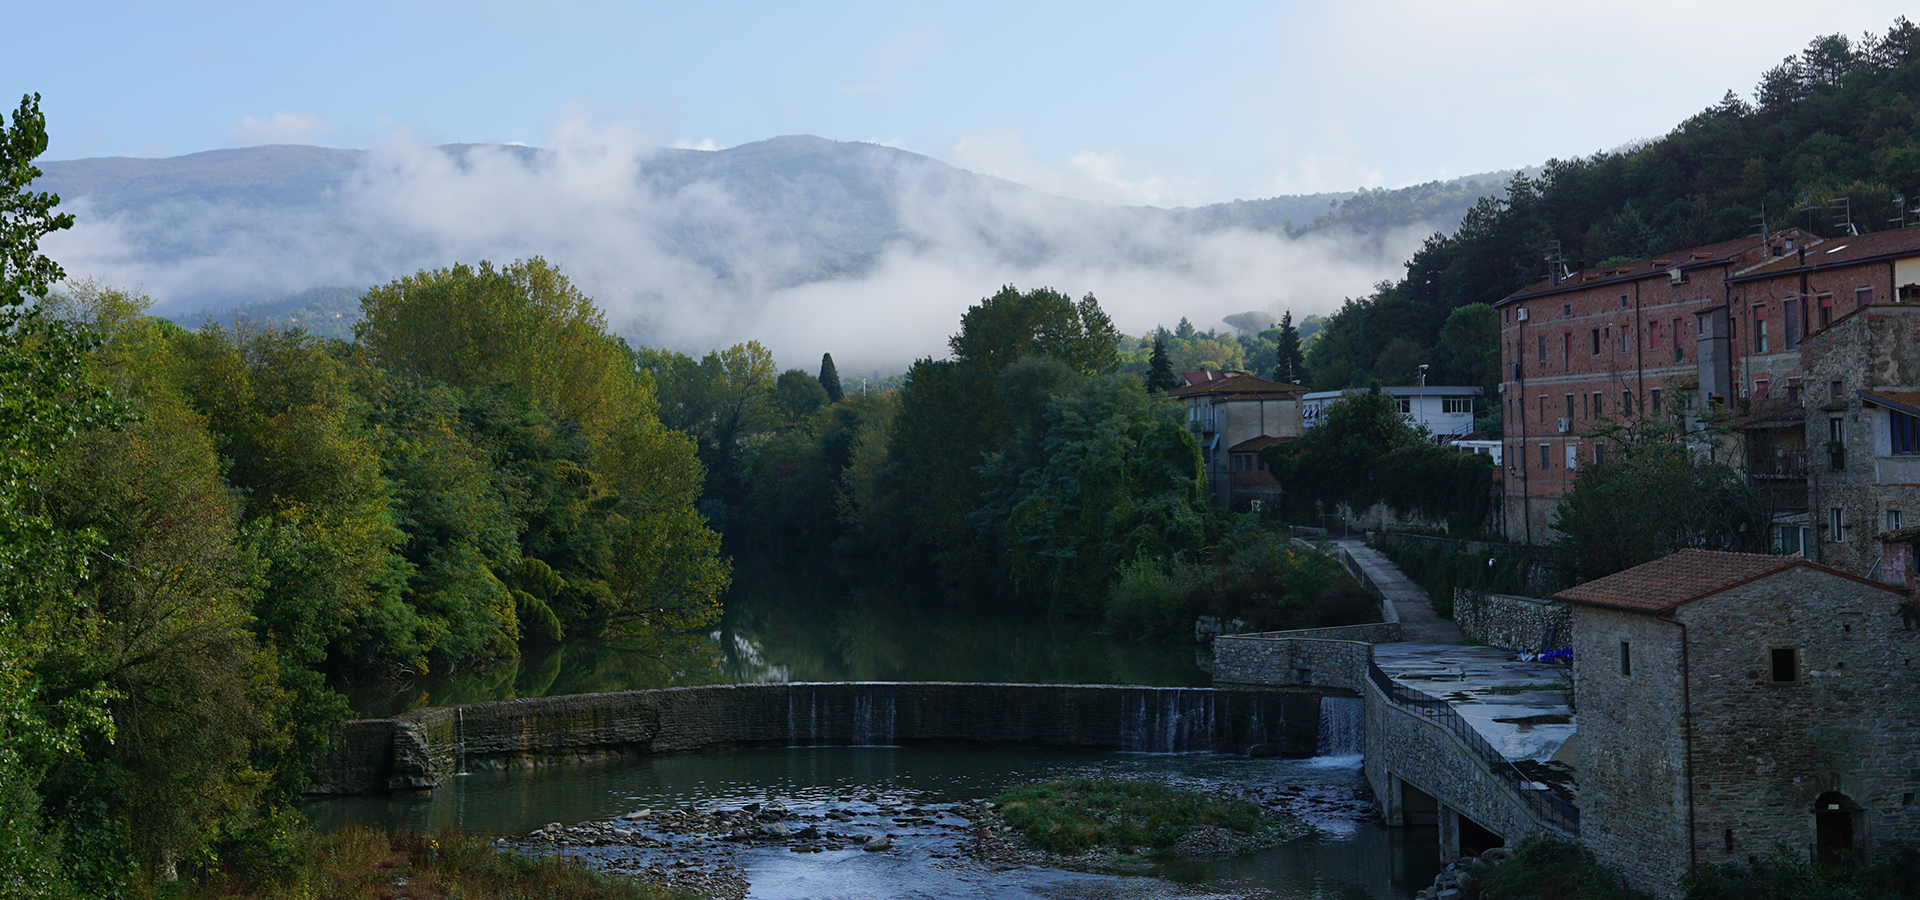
<point x="1862" y="414"/>
<point x="1733" y="705"/>
<point x="1228" y="410"/>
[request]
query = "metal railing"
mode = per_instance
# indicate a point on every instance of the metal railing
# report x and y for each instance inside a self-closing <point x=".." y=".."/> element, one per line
<point x="1548" y="806"/>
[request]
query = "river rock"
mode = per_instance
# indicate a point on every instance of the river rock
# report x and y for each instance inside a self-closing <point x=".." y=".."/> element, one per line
<point x="878" y="844"/>
<point x="638" y="814"/>
<point x="774" y="829"/>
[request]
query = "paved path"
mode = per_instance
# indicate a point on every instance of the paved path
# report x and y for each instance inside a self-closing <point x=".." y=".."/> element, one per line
<point x="1418" y="622"/>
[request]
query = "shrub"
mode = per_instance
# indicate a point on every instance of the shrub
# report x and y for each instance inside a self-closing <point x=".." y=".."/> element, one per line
<point x="1074" y="815"/>
<point x="1552" y="870"/>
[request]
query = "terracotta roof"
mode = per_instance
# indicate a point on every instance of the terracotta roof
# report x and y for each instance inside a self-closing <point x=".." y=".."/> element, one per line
<point x="1839" y="251"/>
<point x="1237" y="383"/>
<point x="1687" y="576"/>
<point x="1252" y="445"/>
<point x="1711" y="254"/>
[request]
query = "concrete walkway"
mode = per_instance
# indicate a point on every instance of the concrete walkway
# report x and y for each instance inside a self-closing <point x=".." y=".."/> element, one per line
<point x="1418" y="622"/>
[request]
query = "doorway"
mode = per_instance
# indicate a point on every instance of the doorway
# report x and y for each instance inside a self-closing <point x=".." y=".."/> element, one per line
<point x="1834" y="818"/>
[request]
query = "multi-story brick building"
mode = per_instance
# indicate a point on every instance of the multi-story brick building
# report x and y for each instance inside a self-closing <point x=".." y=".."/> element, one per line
<point x="1735" y="705"/>
<point x="1721" y="324"/>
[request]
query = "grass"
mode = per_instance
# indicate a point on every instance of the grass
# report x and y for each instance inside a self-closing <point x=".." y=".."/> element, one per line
<point x="358" y="863"/>
<point x="1073" y="815"/>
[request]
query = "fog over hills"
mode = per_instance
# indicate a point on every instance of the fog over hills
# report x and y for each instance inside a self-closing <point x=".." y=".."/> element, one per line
<point x="806" y="244"/>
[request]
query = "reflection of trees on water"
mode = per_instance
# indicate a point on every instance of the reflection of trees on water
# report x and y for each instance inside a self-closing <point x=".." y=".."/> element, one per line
<point x="672" y="660"/>
<point x="806" y="623"/>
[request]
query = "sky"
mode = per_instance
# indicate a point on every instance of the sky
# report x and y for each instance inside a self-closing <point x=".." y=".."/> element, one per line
<point x="1115" y="102"/>
<point x="1119" y="101"/>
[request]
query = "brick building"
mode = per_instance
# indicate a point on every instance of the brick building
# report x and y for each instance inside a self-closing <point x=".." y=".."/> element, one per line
<point x="1863" y="418"/>
<point x="1733" y="705"/>
<point x="1721" y="324"/>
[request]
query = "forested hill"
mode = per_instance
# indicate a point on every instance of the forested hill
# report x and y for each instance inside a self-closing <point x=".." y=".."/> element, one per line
<point x="1831" y="141"/>
<point x="721" y="230"/>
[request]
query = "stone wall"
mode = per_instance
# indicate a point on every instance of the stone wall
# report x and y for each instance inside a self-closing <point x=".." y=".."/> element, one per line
<point x="423" y="748"/>
<point x="1313" y="657"/>
<point x="1513" y="622"/>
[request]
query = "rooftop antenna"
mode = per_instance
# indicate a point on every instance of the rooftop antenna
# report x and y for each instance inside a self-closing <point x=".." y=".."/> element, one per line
<point x="1760" y="223"/>
<point x="1423" y="374"/>
<point x="1842" y="209"/>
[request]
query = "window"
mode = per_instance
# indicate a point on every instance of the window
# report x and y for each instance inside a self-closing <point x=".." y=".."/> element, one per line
<point x="1679" y="349"/>
<point x="1837" y="443"/>
<point x="1456" y="404"/>
<point x="1790" y="332"/>
<point x="1760" y="387"/>
<point x="1826" y="310"/>
<point x="1543" y="457"/>
<point x="1543" y="348"/>
<point x="1623" y="301"/>
<point x="1862" y="297"/>
<point x="1599" y="453"/>
<point x="1786" y="665"/>
<point x="1893" y="520"/>
<point x="1626" y="659"/>
<point x="1836" y="388"/>
<point x="1573" y="455"/>
<point x="1606" y="335"/>
<point x="1626" y="339"/>
<point x="1626" y="403"/>
<point x="1904" y="430"/>
<point x="1543" y="408"/>
<point x="1597" y="411"/>
<point x="1566" y="309"/>
<point x="1653" y="335"/>
<point x="1837" y="525"/>
<point x="1566" y="352"/>
<point x="1569" y="399"/>
<point x="1653" y="401"/>
<point x="1760" y="329"/>
<point x="1404" y="404"/>
<point x="1596" y="342"/>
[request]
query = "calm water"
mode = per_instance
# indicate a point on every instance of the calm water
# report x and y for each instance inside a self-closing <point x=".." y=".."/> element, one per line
<point x="1352" y="858"/>
<point x="808" y="623"/>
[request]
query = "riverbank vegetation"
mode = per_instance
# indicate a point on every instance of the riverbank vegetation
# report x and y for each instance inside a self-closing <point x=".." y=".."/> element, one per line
<point x="1074" y="815"/>
<point x="359" y="863"/>
<point x="1553" y="870"/>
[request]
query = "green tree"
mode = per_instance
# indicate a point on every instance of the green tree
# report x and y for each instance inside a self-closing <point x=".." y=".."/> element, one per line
<point x="1290" y="364"/>
<point x="830" y="378"/>
<point x="797" y="395"/>
<point x="1654" y="492"/>
<point x="1098" y="474"/>
<point x="1160" y="377"/>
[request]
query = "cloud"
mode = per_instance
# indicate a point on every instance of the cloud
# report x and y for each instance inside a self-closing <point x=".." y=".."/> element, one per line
<point x="901" y="50"/>
<point x="1103" y="177"/>
<point x="280" y="128"/>
<point x="686" y="262"/>
<point x="707" y="144"/>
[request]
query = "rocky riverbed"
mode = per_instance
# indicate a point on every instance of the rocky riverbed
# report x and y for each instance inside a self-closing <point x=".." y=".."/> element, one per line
<point x="701" y="849"/>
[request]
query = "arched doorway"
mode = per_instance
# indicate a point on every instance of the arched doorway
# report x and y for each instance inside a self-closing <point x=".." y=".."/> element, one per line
<point x="1835" y="819"/>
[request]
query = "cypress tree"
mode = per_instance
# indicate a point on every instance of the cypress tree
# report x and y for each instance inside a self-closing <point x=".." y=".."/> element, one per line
<point x="830" y="378"/>
<point x="1289" y="365"/>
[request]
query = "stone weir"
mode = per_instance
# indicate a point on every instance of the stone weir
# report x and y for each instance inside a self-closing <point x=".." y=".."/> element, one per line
<point x="422" y="749"/>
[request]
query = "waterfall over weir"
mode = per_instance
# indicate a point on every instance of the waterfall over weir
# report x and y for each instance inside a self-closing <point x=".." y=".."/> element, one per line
<point x="1343" y="727"/>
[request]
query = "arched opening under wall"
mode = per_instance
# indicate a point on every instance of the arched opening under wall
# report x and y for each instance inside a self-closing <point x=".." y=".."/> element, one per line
<point x="1417" y="807"/>
<point x="1836" y="828"/>
<point x="1476" y="839"/>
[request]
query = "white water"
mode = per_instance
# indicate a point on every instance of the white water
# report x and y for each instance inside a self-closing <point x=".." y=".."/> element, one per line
<point x="1343" y="730"/>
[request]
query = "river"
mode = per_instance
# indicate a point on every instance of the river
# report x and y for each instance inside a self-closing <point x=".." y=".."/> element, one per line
<point x="809" y="624"/>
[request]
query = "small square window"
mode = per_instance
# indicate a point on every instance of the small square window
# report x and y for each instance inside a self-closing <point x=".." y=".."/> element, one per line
<point x="1786" y="665"/>
<point x="1893" y="520"/>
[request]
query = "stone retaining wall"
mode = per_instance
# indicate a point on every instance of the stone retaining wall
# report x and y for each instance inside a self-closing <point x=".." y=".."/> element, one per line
<point x="1513" y="622"/>
<point x="423" y="748"/>
<point x="1313" y="657"/>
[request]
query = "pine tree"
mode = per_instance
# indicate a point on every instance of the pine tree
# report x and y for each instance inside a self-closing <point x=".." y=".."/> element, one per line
<point x="1289" y="364"/>
<point x="1160" y="377"/>
<point x="830" y="378"/>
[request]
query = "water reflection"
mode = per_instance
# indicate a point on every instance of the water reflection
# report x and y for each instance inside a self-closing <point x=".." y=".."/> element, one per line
<point x="1353" y="858"/>
<point x="799" y="620"/>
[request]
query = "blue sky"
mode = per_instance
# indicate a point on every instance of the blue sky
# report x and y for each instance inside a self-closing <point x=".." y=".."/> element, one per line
<point x="1124" y="102"/>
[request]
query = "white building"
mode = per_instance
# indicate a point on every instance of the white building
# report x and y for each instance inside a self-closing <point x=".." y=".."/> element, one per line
<point x="1444" y="411"/>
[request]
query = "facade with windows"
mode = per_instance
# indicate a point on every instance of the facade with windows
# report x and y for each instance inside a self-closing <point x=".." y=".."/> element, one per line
<point x="1445" y="411"/>
<point x="1226" y="410"/>
<point x="1723" y="326"/>
<point x="1735" y="705"/>
<point x="1864" y="483"/>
